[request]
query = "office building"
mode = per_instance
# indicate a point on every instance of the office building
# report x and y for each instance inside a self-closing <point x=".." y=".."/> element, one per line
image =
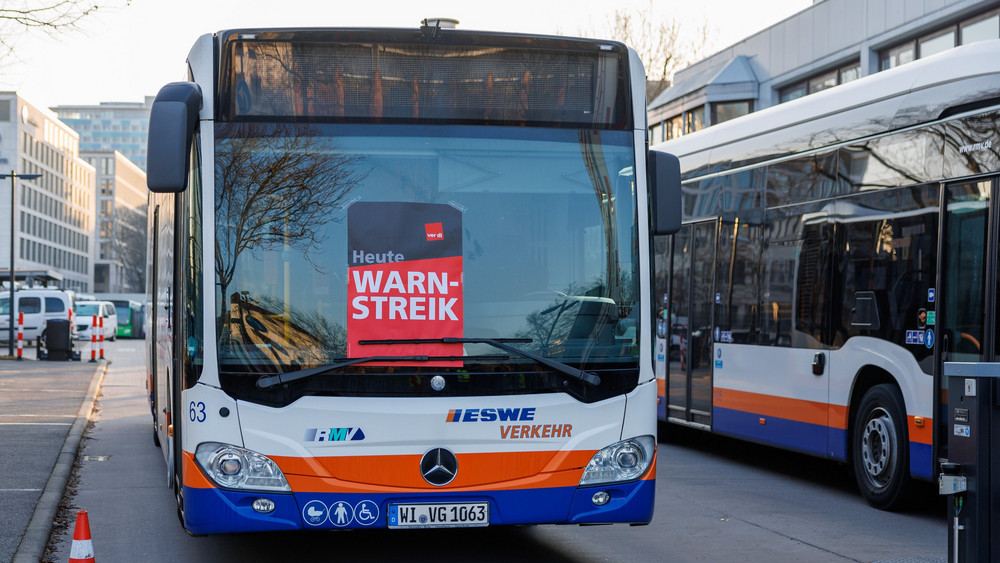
<point x="53" y="216"/>
<point x="120" y="259"/>
<point x="827" y="44"/>
<point x="111" y="126"/>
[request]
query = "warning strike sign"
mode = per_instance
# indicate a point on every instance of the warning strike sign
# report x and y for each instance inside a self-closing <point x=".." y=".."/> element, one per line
<point x="404" y="278"/>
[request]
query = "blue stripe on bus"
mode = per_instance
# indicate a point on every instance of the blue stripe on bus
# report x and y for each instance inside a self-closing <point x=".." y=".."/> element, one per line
<point x="921" y="462"/>
<point x="214" y="511"/>
<point x="805" y="437"/>
<point x="802" y="436"/>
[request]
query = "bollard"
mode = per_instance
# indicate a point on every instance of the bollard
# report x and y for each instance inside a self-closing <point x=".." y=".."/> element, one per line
<point x="20" y="335"/>
<point x="93" y="340"/>
<point x="101" y="337"/>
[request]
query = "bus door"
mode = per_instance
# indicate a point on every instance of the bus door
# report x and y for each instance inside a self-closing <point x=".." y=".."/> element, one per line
<point x="772" y="376"/>
<point x="161" y="325"/>
<point x="689" y="377"/>
<point x="961" y="304"/>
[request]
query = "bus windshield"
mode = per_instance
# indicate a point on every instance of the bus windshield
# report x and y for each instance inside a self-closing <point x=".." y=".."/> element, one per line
<point x="333" y="236"/>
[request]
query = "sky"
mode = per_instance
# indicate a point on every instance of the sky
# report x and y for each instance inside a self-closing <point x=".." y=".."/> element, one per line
<point x="129" y="49"/>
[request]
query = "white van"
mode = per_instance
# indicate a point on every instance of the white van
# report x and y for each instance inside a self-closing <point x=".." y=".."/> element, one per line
<point x="39" y="305"/>
<point x="104" y="310"/>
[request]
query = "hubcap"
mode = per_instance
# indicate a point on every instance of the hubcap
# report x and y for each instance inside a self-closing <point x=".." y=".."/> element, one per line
<point x="878" y="447"/>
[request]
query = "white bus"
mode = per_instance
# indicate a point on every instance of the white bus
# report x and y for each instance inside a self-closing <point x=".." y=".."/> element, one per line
<point x="836" y="251"/>
<point x="400" y="278"/>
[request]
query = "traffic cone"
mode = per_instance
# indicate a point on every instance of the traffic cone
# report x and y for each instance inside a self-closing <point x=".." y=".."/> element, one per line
<point x="82" y="550"/>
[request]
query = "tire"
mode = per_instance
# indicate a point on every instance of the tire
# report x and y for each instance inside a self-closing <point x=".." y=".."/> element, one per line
<point x="880" y="448"/>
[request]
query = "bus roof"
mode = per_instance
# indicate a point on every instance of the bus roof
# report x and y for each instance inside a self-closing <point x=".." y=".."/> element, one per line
<point x="925" y="90"/>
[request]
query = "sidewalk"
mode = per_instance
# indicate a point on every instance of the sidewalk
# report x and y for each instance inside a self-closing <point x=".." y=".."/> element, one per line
<point x="122" y="483"/>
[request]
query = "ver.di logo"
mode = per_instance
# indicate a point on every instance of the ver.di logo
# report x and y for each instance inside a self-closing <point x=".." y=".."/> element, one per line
<point x="434" y="231"/>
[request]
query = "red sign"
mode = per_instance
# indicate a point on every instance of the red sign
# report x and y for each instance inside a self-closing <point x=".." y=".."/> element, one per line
<point x="434" y="231"/>
<point x="404" y="279"/>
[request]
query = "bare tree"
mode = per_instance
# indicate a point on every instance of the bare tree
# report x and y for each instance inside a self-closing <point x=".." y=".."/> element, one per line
<point x="665" y="45"/>
<point x="276" y="191"/>
<point x="52" y="16"/>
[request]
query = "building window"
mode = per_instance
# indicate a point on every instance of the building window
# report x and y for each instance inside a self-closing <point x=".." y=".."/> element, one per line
<point x="724" y="111"/>
<point x="849" y="73"/>
<point x="899" y="55"/>
<point x="675" y="127"/>
<point x="793" y="92"/>
<point x="820" y="82"/>
<point x="694" y="119"/>
<point x="656" y="133"/>
<point x="980" y="30"/>
<point x="937" y="43"/>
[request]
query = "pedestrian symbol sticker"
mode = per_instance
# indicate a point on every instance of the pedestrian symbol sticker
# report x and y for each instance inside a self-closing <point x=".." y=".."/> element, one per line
<point x="341" y="513"/>
<point x="366" y="513"/>
<point x="315" y="513"/>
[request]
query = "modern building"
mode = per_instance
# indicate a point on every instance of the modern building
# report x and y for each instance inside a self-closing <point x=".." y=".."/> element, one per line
<point x="111" y="126"/>
<point x="827" y="44"/>
<point x="120" y="259"/>
<point x="53" y="216"/>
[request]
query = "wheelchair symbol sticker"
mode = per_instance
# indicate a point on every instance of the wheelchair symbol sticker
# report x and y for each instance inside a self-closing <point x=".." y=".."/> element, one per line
<point x="366" y="513"/>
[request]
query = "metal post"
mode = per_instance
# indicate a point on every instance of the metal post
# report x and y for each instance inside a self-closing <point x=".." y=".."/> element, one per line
<point x="10" y="337"/>
<point x="13" y="188"/>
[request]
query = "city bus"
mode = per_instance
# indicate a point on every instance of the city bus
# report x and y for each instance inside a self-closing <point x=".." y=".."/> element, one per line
<point x="836" y="250"/>
<point x="130" y="323"/>
<point x="400" y="278"/>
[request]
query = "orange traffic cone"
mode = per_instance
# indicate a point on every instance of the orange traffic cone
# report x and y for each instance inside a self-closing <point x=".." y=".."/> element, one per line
<point x="82" y="550"/>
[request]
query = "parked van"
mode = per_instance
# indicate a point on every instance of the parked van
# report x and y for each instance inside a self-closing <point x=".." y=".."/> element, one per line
<point x="104" y="310"/>
<point x="39" y="305"/>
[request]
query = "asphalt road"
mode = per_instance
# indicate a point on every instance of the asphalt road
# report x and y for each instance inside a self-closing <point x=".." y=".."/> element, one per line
<point x="717" y="500"/>
<point x="40" y="406"/>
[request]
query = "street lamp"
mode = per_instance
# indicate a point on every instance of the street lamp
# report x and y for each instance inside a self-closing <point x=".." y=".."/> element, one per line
<point x="13" y="183"/>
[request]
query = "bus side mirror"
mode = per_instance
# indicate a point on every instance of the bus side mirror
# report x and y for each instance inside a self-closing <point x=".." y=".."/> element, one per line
<point x="172" y="122"/>
<point x="665" y="178"/>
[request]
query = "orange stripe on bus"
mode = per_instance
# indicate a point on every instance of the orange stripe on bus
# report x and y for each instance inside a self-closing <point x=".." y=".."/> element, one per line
<point x="923" y="434"/>
<point x="812" y="412"/>
<point x="193" y="477"/>
<point x="799" y="410"/>
<point x="388" y="474"/>
<point x="404" y="470"/>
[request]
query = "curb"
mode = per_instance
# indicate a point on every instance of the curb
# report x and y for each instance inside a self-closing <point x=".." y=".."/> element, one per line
<point x="36" y="537"/>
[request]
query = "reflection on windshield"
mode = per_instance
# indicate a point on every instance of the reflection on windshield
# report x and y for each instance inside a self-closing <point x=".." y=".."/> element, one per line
<point x="547" y="250"/>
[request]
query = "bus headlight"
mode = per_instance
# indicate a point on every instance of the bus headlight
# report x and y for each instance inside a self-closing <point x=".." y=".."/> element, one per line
<point x="623" y="461"/>
<point x="231" y="467"/>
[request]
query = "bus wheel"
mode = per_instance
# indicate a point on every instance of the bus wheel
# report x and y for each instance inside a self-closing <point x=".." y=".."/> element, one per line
<point x="156" y="436"/>
<point x="880" y="448"/>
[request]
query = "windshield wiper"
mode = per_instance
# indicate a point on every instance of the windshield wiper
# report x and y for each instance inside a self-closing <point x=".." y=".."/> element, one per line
<point x="268" y="381"/>
<point x="587" y="377"/>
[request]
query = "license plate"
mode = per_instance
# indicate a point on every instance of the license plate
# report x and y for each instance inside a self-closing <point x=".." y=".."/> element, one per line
<point x="451" y="515"/>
